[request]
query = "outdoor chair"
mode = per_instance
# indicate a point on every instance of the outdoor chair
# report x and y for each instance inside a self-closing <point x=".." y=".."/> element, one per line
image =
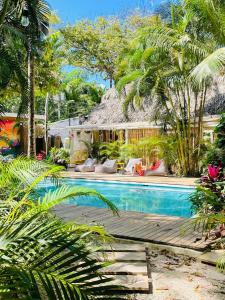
<point x="109" y="166"/>
<point x="87" y="166"/>
<point x="158" y="169"/>
<point x="130" y="168"/>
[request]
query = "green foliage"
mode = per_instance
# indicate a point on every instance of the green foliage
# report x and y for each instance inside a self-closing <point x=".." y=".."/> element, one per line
<point x="163" y="146"/>
<point x="59" y="154"/>
<point x="93" y="149"/>
<point x="208" y="202"/>
<point x="95" y="46"/>
<point x="80" y="97"/>
<point x="205" y="199"/>
<point x="111" y="150"/>
<point x="157" y="66"/>
<point x="216" y="154"/>
<point x="41" y="256"/>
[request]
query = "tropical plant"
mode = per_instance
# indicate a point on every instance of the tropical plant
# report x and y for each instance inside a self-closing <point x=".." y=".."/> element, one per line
<point x="111" y="150"/>
<point x="80" y="96"/>
<point x="41" y="256"/>
<point x="208" y="203"/>
<point x="216" y="153"/>
<point x="209" y="196"/>
<point x="161" y="147"/>
<point x="23" y="24"/>
<point x="59" y="156"/>
<point x="157" y="68"/>
<point x="210" y="15"/>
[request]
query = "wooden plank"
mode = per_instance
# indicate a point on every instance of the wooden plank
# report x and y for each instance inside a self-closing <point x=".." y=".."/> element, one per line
<point x="165" y="229"/>
<point x="138" y="226"/>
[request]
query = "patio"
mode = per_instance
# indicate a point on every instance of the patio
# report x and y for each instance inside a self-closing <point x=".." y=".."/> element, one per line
<point x="186" y="181"/>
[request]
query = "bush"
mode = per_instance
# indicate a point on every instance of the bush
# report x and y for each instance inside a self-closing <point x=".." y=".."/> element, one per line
<point x="216" y="155"/>
<point x="59" y="156"/>
<point x="210" y="193"/>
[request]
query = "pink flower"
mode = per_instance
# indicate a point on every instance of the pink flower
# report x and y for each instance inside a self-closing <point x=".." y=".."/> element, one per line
<point x="213" y="171"/>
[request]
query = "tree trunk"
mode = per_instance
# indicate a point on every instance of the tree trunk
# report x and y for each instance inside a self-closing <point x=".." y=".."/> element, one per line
<point x="111" y="82"/>
<point x="5" y="6"/>
<point x="59" y="106"/>
<point x="46" y="123"/>
<point x="31" y="101"/>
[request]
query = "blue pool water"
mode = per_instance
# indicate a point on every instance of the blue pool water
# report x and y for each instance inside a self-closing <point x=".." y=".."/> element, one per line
<point x="157" y="199"/>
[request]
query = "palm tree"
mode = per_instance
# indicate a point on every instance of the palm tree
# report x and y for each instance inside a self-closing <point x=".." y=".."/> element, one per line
<point x="158" y="67"/>
<point x="35" y="19"/>
<point x="80" y="97"/>
<point x="210" y="15"/>
<point x="42" y="257"/>
<point x="27" y="21"/>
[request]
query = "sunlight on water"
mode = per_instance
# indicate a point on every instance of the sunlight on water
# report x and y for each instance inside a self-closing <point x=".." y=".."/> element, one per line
<point x="163" y="200"/>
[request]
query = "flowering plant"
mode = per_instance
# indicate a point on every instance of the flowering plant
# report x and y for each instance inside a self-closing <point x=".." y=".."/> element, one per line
<point x="210" y="192"/>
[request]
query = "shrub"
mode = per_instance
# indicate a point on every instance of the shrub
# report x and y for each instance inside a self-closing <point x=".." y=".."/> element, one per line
<point x="59" y="156"/>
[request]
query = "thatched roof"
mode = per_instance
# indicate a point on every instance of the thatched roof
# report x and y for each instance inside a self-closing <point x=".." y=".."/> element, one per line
<point x="110" y="110"/>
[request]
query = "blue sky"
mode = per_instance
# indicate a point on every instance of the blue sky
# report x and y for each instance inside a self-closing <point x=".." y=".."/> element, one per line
<point x="73" y="10"/>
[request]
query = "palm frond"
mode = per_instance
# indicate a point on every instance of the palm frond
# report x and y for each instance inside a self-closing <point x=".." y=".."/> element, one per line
<point x="65" y="192"/>
<point x="210" y="67"/>
<point x="128" y="79"/>
<point x="46" y="261"/>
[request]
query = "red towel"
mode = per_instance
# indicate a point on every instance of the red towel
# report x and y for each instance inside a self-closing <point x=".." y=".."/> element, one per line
<point x="155" y="165"/>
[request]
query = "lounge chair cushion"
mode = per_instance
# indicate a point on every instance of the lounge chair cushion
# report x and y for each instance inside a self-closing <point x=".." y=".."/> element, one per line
<point x="161" y="170"/>
<point x="88" y="166"/>
<point x="109" y="167"/>
<point x="131" y="163"/>
<point x="89" y="162"/>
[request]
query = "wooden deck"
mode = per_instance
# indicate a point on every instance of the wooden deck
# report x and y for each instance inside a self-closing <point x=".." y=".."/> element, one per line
<point x="174" y="231"/>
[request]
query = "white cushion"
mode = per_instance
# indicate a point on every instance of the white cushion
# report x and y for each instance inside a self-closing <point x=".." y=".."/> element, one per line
<point x="109" y="163"/>
<point x="131" y="163"/>
<point x="89" y="162"/>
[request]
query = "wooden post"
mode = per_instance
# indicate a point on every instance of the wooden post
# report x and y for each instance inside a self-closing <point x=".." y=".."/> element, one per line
<point x="31" y="151"/>
<point x="46" y="123"/>
<point x="126" y="136"/>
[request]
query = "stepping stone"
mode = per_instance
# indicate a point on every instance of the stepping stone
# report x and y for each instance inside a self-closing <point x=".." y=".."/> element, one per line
<point x="119" y="268"/>
<point x="125" y="257"/>
<point x="125" y="247"/>
<point x="211" y="257"/>
<point x="138" y="283"/>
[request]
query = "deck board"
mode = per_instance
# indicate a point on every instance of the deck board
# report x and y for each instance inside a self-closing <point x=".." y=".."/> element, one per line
<point x="154" y="228"/>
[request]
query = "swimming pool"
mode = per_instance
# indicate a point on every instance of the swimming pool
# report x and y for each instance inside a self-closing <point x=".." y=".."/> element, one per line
<point x="146" y="198"/>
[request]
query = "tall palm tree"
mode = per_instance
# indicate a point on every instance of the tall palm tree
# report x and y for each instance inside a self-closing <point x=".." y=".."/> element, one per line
<point x="27" y="21"/>
<point x="36" y="22"/>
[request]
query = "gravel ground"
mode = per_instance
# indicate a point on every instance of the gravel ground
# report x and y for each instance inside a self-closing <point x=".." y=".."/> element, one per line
<point x="177" y="277"/>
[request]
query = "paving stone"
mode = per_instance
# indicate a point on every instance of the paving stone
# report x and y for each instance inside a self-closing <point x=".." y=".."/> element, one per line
<point x="125" y="256"/>
<point x="128" y="268"/>
<point x="211" y="257"/>
<point x="132" y="282"/>
<point x="126" y="247"/>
